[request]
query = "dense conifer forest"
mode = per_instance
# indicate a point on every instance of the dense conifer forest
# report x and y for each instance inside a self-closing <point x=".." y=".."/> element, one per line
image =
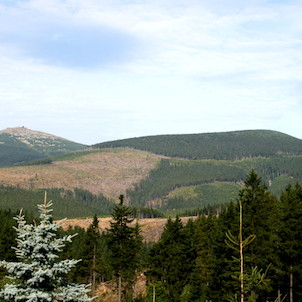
<point x="77" y="203"/>
<point x="210" y="182"/>
<point x="220" y="146"/>
<point x="197" y="171"/>
<point x="245" y="243"/>
<point x="196" y="261"/>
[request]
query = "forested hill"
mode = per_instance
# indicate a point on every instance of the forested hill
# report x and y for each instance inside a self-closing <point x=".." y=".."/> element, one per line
<point x="20" y="144"/>
<point x="220" y="146"/>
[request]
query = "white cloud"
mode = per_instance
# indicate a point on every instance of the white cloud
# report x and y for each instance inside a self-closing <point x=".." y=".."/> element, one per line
<point x="130" y="68"/>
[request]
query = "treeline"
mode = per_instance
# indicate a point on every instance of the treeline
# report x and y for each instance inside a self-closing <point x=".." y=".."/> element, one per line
<point x="67" y="203"/>
<point x="205" y="176"/>
<point x="50" y="159"/>
<point x="171" y="174"/>
<point x="106" y="255"/>
<point x="200" y="261"/>
<point x="196" y="263"/>
<point x="274" y="167"/>
<point x="220" y="146"/>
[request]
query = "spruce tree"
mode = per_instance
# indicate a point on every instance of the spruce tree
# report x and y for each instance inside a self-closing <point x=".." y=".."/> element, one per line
<point x="261" y="213"/>
<point x="291" y="243"/>
<point x="39" y="276"/>
<point x="260" y="221"/>
<point x="206" y="261"/>
<point x="170" y="260"/>
<point x="89" y="255"/>
<point x="125" y="244"/>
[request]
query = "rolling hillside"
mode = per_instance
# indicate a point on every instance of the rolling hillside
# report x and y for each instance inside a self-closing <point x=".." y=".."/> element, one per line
<point x="21" y="144"/>
<point x="109" y="172"/>
<point x="175" y="180"/>
<point x="232" y="145"/>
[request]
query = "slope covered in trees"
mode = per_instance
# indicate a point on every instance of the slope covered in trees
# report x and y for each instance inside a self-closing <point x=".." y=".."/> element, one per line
<point x="193" y="262"/>
<point x="271" y="268"/>
<point x="221" y="146"/>
<point x="184" y="184"/>
<point x="171" y="184"/>
<point x="21" y="144"/>
<point x="77" y="203"/>
<point x="149" y="181"/>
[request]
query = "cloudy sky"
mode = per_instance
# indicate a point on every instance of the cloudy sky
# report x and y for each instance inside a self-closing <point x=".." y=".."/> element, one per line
<point x="100" y="70"/>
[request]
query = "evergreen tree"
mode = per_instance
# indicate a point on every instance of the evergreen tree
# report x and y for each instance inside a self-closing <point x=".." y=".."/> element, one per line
<point x="93" y="251"/>
<point x="73" y="250"/>
<point x="7" y="236"/>
<point x="226" y="265"/>
<point x="206" y="229"/>
<point x="291" y="244"/>
<point x="125" y="244"/>
<point x="261" y="213"/>
<point x="89" y="253"/>
<point x="261" y="216"/>
<point x="39" y="276"/>
<point x="171" y="261"/>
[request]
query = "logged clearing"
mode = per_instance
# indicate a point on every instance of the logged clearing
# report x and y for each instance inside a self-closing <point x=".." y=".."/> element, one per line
<point x="109" y="172"/>
<point x="151" y="228"/>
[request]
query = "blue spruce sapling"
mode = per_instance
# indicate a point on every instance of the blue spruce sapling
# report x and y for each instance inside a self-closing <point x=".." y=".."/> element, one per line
<point x="39" y="276"/>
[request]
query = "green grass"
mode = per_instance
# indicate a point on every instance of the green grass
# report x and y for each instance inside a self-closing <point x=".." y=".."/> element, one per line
<point x="201" y="196"/>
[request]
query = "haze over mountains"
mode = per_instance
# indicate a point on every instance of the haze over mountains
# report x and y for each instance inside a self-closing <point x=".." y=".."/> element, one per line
<point x="172" y="173"/>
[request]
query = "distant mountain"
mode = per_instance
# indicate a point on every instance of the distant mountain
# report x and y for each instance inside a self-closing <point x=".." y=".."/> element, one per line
<point x="21" y="144"/>
<point x="188" y="173"/>
<point x="221" y="146"/>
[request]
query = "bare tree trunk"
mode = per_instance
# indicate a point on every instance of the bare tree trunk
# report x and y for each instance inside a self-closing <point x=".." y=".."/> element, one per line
<point x="94" y="271"/>
<point x="291" y="284"/>
<point x="119" y="288"/>
<point x="153" y="293"/>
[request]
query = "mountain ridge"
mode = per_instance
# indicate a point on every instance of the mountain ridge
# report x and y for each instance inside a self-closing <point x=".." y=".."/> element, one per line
<point x="173" y="184"/>
<point x="20" y="144"/>
<point x="231" y="145"/>
<point x="25" y="132"/>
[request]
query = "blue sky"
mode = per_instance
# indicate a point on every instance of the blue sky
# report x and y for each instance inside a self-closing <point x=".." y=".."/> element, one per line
<point x="93" y="71"/>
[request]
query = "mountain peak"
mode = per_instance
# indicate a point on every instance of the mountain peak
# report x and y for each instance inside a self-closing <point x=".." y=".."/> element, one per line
<point x="24" y="133"/>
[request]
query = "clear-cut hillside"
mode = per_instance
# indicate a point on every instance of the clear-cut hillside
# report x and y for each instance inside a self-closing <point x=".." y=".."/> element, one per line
<point x="167" y="183"/>
<point x="21" y="144"/>
<point x="109" y="172"/>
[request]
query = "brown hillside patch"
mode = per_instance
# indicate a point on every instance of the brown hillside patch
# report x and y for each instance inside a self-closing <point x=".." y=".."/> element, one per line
<point x="110" y="172"/>
<point x="151" y="228"/>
